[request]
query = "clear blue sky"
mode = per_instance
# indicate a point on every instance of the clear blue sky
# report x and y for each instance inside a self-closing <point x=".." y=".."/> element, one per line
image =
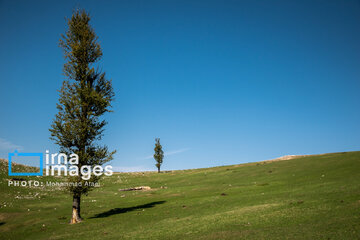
<point x="220" y="82"/>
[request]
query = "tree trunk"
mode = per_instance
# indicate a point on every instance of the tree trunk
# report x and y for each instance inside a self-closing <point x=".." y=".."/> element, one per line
<point x="76" y="218"/>
<point x="158" y="170"/>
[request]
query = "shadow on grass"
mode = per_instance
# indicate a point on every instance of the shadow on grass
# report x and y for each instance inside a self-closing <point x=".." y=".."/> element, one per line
<point x="128" y="209"/>
<point x="2" y="223"/>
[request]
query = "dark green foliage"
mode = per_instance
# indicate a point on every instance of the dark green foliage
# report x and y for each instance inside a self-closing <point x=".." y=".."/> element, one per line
<point x="159" y="154"/>
<point x="84" y="97"/>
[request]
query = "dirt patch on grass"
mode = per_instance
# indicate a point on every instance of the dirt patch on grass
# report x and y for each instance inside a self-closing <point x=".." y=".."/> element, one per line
<point x="5" y="216"/>
<point x="141" y="188"/>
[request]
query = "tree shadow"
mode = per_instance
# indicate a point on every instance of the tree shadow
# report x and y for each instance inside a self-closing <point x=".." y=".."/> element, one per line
<point x="2" y="223"/>
<point x="128" y="209"/>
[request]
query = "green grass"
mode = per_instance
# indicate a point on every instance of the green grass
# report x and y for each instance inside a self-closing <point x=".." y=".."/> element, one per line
<point x="313" y="197"/>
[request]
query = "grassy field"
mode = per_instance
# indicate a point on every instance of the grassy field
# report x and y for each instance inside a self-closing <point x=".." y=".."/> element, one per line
<point x="312" y="197"/>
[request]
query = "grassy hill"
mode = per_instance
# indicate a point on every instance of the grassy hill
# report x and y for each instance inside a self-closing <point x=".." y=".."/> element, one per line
<point x="310" y="197"/>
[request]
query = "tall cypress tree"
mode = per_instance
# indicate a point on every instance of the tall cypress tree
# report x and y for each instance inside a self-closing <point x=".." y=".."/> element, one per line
<point x="84" y="97"/>
<point x="159" y="154"/>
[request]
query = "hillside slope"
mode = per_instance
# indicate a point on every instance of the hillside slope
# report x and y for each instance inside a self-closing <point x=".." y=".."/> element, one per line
<point x="310" y="197"/>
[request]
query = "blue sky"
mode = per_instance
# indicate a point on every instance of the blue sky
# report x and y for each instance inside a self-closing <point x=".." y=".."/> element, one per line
<point x="220" y="82"/>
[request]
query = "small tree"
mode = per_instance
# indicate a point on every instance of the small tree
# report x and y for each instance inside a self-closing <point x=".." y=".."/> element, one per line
<point x="84" y="97"/>
<point x="159" y="154"/>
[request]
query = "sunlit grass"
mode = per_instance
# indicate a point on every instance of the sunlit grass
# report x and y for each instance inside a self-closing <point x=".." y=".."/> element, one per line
<point x="313" y="197"/>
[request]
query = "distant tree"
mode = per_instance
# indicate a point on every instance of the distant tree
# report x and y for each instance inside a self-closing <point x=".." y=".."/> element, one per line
<point x="159" y="154"/>
<point x="84" y="97"/>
